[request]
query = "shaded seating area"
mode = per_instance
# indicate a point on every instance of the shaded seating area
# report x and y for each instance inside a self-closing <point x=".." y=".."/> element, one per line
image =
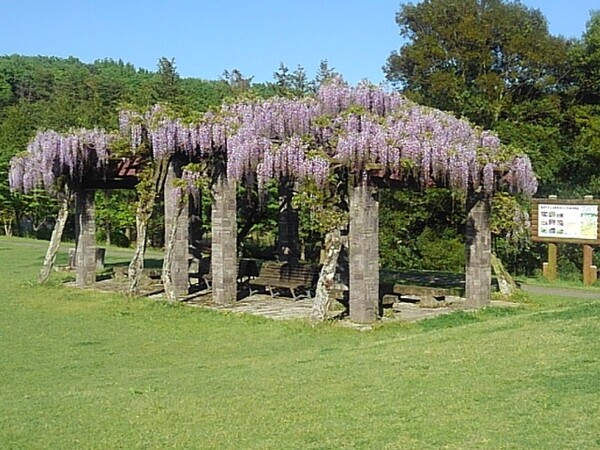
<point x="296" y="278"/>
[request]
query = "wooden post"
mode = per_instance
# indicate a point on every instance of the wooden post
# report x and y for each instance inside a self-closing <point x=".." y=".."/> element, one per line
<point x="179" y="260"/>
<point x="551" y="268"/>
<point x="588" y="257"/>
<point x="364" y="254"/>
<point x="85" y="216"/>
<point x="552" y="258"/>
<point x="590" y="273"/>
<point x="478" y="276"/>
<point x="224" y="241"/>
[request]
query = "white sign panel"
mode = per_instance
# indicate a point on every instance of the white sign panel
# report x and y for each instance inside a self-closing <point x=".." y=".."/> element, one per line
<point x="568" y="221"/>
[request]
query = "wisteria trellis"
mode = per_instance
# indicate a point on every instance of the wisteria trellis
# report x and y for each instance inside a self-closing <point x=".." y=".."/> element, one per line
<point x="359" y="127"/>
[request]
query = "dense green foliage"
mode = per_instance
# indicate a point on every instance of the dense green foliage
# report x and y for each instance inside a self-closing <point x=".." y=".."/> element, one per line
<point x="84" y="369"/>
<point x="495" y="63"/>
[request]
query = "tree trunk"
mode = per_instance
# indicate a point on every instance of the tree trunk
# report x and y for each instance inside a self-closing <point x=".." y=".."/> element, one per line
<point x="506" y="284"/>
<point x="8" y="228"/>
<point x="55" y="240"/>
<point x="333" y="246"/>
<point x="167" y="276"/>
<point x="136" y="266"/>
<point x="142" y="217"/>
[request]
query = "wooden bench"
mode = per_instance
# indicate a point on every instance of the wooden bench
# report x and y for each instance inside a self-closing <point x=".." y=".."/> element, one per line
<point x="299" y="279"/>
<point x="428" y="296"/>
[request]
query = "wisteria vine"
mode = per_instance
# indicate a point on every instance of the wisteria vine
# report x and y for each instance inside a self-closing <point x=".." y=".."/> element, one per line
<point x="359" y="127"/>
<point x="51" y="156"/>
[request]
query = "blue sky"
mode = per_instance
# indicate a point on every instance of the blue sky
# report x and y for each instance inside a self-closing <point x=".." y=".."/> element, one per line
<point x="208" y="36"/>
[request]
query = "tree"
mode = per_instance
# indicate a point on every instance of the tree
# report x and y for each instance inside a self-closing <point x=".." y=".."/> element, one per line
<point x="584" y="110"/>
<point x="167" y="85"/>
<point x="475" y="57"/>
<point x="282" y="77"/>
<point x="324" y="74"/>
<point x="115" y="214"/>
<point x="236" y="80"/>
<point x="495" y="63"/>
<point x="584" y="59"/>
<point x="292" y="84"/>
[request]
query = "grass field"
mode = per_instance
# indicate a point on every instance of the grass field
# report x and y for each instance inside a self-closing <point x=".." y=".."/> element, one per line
<point x="88" y="370"/>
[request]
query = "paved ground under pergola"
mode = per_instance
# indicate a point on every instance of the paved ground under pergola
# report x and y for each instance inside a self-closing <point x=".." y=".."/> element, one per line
<point x="285" y="308"/>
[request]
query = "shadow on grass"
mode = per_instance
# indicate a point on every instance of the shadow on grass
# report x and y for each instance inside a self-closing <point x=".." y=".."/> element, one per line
<point x="455" y="319"/>
<point x="461" y="318"/>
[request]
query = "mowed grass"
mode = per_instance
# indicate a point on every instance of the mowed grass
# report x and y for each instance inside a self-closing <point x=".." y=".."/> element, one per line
<point x="88" y="370"/>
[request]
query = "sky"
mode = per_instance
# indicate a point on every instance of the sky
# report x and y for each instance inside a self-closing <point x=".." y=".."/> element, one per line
<point x="207" y="37"/>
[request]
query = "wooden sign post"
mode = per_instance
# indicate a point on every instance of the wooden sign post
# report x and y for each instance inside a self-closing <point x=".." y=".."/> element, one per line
<point x="570" y="221"/>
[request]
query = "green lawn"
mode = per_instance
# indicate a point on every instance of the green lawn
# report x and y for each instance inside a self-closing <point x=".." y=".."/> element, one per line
<point x="87" y="370"/>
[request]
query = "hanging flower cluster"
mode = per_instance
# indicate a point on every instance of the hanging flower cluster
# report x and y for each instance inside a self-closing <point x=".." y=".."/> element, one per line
<point x="51" y="155"/>
<point x="292" y="159"/>
<point x="337" y="96"/>
<point x="429" y="145"/>
<point x="359" y="127"/>
<point x="168" y="135"/>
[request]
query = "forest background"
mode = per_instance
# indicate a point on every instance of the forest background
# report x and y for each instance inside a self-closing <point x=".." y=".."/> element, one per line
<point x="494" y="63"/>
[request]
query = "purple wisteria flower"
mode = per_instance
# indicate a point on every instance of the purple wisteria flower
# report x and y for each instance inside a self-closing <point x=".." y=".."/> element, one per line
<point x="358" y="127"/>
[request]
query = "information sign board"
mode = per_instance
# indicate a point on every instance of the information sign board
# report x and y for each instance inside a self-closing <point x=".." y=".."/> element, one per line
<point x="569" y="221"/>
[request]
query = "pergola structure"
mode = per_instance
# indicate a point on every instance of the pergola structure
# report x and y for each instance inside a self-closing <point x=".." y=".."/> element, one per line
<point x="373" y="134"/>
<point x="363" y="239"/>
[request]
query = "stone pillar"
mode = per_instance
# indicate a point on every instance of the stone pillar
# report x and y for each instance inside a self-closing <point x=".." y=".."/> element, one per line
<point x="224" y="241"/>
<point x="363" y="241"/>
<point x="85" y="226"/>
<point x="478" y="276"/>
<point x="179" y="264"/>
<point x="288" y="242"/>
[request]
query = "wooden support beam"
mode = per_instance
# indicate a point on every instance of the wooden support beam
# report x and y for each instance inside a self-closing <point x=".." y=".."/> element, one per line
<point x="588" y="260"/>
<point x="364" y="254"/>
<point x="85" y="217"/>
<point x="551" y="268"/>
<point x="224" y="241"/>
<point x="179" y="261"/>
<point x="478" y="276"/>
